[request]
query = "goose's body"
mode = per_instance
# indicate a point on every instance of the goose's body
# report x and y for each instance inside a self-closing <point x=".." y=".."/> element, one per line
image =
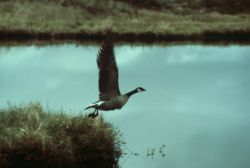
<point x="115" y="103"/>
<point x="110" y="97"/>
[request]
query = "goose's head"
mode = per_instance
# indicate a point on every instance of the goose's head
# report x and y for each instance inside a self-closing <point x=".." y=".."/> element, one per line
<point x="137" y="90"/>
<point x="140" y="89"/>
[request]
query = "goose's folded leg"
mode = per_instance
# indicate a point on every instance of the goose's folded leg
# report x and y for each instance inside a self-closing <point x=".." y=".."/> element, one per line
<point x="94" y="114"/>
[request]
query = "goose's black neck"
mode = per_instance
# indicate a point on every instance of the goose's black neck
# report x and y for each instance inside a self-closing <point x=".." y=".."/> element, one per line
<point x="131" y="93"/>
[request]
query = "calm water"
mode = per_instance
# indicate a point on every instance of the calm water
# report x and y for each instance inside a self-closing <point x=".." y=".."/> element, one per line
<point x="197" y="100"/>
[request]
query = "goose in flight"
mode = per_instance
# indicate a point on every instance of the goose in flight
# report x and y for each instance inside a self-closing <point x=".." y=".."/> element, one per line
<point x="110" y="97"/>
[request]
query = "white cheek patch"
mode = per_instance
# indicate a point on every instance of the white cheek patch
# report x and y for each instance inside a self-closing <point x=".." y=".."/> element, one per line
<point x="139" y="90"/>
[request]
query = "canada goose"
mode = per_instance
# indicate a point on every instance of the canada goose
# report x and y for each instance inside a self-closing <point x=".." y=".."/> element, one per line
<point x="110" y="97"/>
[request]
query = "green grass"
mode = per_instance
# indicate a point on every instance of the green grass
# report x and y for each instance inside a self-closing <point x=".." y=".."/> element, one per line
<point x="34" y="138"/>
<point x="134" y="19"/>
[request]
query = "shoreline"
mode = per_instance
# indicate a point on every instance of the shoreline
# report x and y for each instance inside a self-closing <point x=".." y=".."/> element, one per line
<point x="239" y="37"/>
<point x="87" y="21"/>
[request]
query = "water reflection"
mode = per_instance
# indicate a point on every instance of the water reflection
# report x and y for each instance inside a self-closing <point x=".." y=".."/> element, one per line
<point x="197" y="102"/>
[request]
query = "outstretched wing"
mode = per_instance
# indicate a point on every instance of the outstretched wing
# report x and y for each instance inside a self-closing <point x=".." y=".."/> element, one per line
<point x="108" y="71"/>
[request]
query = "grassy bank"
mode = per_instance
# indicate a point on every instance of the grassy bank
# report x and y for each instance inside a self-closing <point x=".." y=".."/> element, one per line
<point x="129" y="20"/>
<point x="33" y="138"/>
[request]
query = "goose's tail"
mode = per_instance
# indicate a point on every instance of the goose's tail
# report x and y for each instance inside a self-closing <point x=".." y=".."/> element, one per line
<point x="94" y="105"/>
<point x="91" y="106"/>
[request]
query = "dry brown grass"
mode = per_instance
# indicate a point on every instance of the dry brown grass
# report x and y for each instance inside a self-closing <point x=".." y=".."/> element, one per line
<point x="33" y="138"/>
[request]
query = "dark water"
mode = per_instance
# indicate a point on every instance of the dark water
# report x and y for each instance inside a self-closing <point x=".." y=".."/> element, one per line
<point x="197" y="101"/>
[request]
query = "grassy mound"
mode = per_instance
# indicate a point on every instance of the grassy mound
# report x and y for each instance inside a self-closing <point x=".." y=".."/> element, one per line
<point x="31" y="137"/>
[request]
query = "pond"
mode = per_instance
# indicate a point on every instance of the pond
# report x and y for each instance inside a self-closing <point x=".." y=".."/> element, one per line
<point x="197" y="100"/>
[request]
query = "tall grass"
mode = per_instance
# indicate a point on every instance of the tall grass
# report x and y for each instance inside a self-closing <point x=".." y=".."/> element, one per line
<point x="31" y="137"/>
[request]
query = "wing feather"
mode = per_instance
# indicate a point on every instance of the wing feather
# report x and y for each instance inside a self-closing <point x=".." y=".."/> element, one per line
<point x="108" y="72"/>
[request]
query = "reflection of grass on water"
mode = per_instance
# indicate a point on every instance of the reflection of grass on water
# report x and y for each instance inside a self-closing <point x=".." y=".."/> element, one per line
<point x="31" y="137"/>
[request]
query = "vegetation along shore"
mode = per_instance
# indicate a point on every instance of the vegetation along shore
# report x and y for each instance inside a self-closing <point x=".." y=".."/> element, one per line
<point x="32" y="137"/>
<point x="129" y="20"/>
